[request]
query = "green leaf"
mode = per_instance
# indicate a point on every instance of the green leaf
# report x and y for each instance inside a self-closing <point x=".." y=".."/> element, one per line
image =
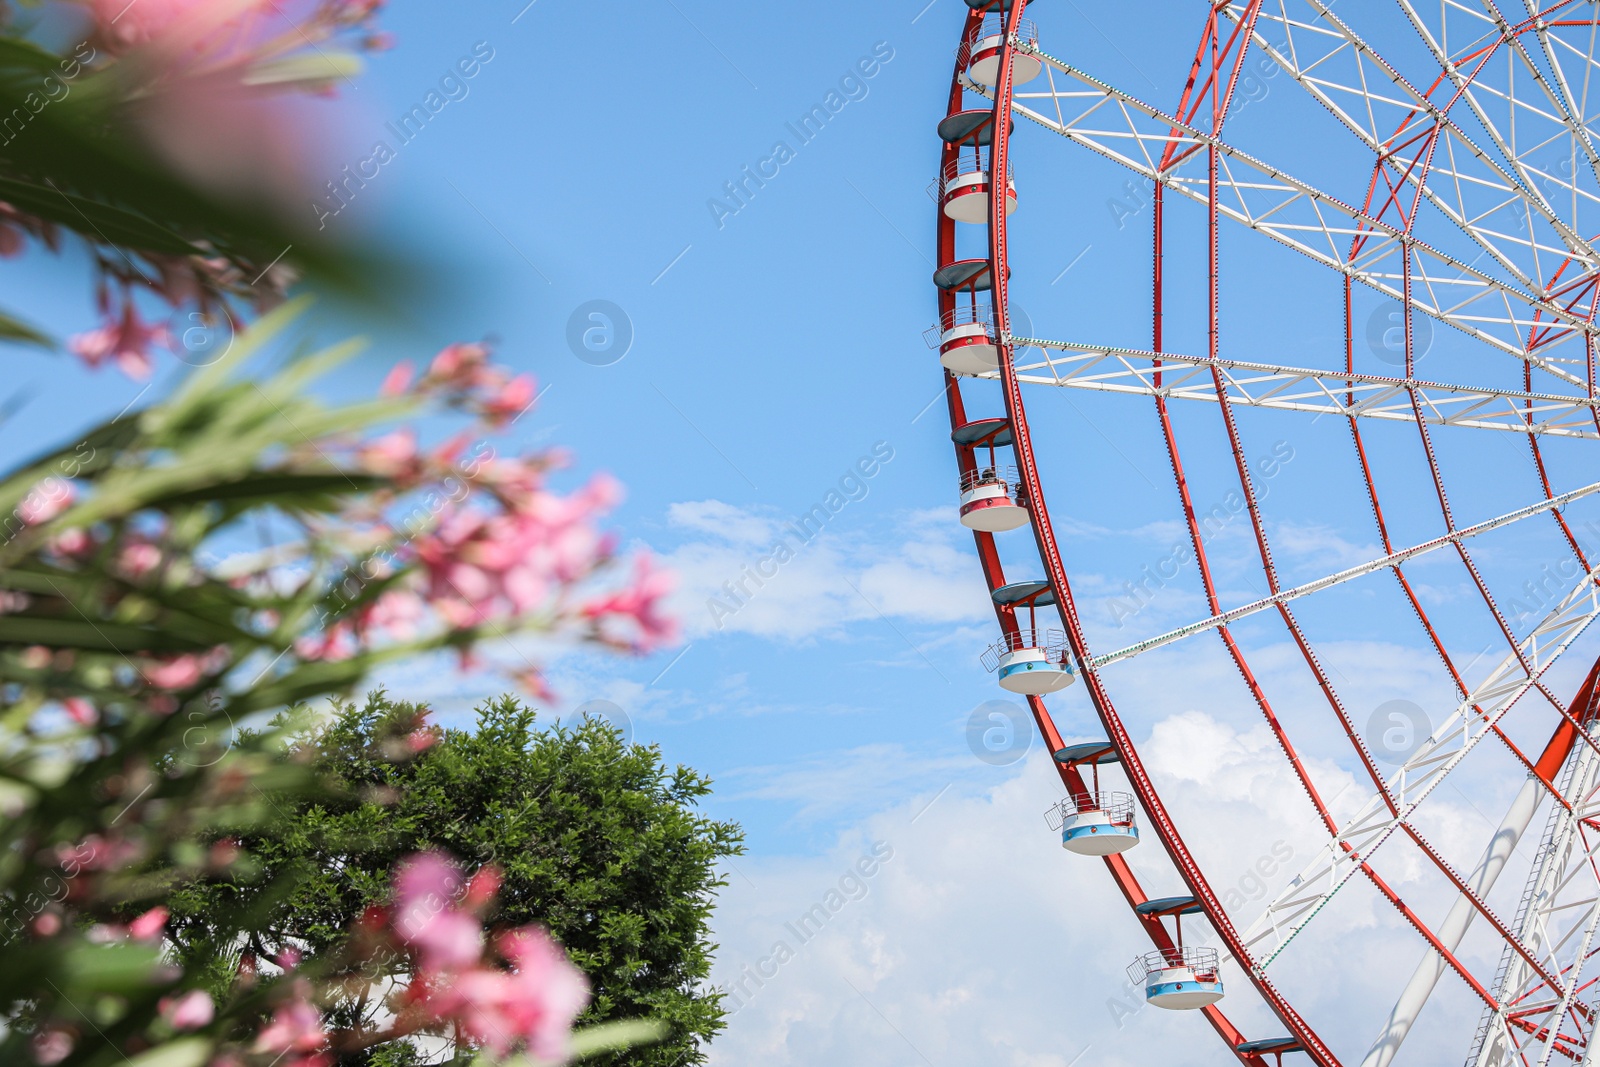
<point x="188" y="1052"/>
<point x="123" y="968"/>
<point x="81" y="634"/>
<point x="609" y="1037"/>
<point x="93" y="219"/>
<point x="320" y="69"/>
<point x="18" y="57"/>
<point x="16" y="330"/>
<point x="275" y="486"/>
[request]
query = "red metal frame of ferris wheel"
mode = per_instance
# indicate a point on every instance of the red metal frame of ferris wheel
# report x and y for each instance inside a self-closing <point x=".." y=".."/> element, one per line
<point x="1216" y="88"/>
<point x="1033" y="493"/>
<point x="1044" y="536"/>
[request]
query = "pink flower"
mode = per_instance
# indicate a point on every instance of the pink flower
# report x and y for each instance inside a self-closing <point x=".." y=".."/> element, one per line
<point x="532" y="681"/>
<point x="641" y="604"/>
<point x="396" y="612"/>
<point x="126" y="342"/>
<point x="52" y="1046"/>
<point x="230" y="139"/>
<point x="427" y="919"/>
<point x="74" y="542"/>
<point x="336" y="643"/>
<point x="535" y="1004"/>
<point x="295" y="1027"/>
<point x="482" y="888"/>
<point x="190" y="1011"/>
<point x="398" y="380"/>
<point x="544" y="995"/>
<point x="393" y="455"/>
<point x="46" y="500"/>
<point x="138" y="559"/>
<point x="510" y="401"/>
<point x="480" y="567"/>
<point x="124" y="24"/>
<point x="175" y="672"/>
<point x="12" y="240"/>
<point x="462" y="366"/>
<point x="81" y="711"/>
<point x="96" y="853"/>
<point x="149" y="926"/>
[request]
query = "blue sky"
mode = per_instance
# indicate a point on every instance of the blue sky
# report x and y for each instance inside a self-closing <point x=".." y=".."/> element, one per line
<point x="775" y="346"/>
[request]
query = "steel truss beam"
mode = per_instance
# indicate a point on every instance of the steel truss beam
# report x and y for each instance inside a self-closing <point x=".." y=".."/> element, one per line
<point x="1104" y="368"/>
<point x="1348" y="574"/>
<point x="1294" y="213"/>
<point x="1557" y="920"/>
<point x="1474" y="719"/>
<point x="1507" y="214"/>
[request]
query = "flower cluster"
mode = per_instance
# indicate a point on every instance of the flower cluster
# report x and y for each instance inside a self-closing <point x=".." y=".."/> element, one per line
<point x="427" y="954"/>
<point x="208" y="90"/>
<point x="505" y="546"/>
<point x="514" y="989"/>
<point x="449" y="545"/>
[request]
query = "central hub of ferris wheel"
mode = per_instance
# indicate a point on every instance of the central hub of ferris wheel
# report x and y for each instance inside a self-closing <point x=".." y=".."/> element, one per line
<point x="1451" y="142"/>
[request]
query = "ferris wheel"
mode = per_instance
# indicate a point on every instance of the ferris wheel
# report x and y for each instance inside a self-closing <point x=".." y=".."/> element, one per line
<point x="1470" y="128"/>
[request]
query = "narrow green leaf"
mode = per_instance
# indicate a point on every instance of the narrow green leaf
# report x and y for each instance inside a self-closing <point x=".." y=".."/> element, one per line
<point x="188" y="1052"/>
<point x="319" y="69"/>
<point x="609" y="1037"/>
<point x="103" y="636"/>
<point x="12" y="329"/>
<point x="93" y="219"/>
<point x="110" y="968"/>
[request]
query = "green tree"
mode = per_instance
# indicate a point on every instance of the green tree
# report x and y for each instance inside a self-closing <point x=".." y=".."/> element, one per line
<point x="597" y="840"/>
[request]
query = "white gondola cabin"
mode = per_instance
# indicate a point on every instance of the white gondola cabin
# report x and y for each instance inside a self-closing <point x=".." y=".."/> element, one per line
<point x="1092" y="821"/>
<point x="991" y="493"/>
<point x="965" y="338"/>
<point x="1030" y="661"/>
<point x="981" y="55"/>
<point x="964" y="187"/>
<point x="1177" y="977"/>
<point x="989" y="499"/>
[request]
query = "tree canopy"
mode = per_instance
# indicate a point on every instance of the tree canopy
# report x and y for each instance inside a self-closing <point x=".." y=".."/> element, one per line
<point x="596" y="839"/>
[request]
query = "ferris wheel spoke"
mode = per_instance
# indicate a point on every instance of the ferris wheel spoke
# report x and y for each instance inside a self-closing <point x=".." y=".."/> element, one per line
<point x="1543" y="123"/>
<point x="1558" y="915"/>
<point x="1293" y="908"/>
<point x="1387" y="562"/>
<point x="1559" y="52"/>
<point x="1102" y="368"/>
<point x="1294" y="213"/>
<point x="1505" y="214"/>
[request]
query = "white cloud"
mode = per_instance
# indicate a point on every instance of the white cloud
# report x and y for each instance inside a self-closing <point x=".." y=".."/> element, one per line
<point x="981" y="941"/>
<point x="864" y="778"/>
<point x="736" y="580"/>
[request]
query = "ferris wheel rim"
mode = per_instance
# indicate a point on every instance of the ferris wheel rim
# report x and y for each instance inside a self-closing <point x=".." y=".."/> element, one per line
<point x="1007" y="373"/>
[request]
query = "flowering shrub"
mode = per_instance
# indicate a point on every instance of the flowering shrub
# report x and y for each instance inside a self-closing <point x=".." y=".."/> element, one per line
<point x="240" y="547"/>
<point x="594" y="838"/>
<point x="141" y="617"/>
<point x="172" y="137"/>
